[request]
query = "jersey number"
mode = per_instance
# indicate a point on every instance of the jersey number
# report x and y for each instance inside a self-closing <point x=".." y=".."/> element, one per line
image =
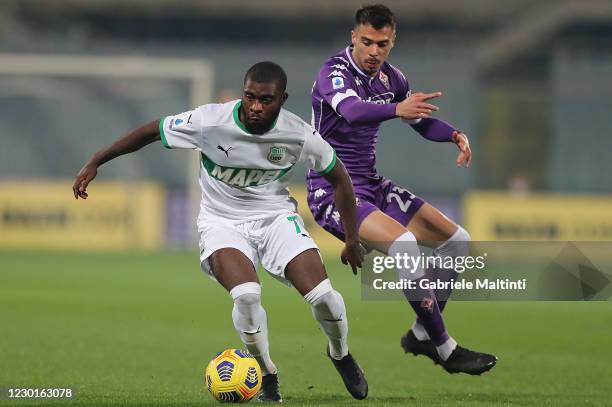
<point x="293" y="219"/>
<point x="402" y="205"/>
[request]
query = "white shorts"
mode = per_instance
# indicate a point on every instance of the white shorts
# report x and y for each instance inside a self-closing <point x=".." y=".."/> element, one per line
<point x="273" y="241"/>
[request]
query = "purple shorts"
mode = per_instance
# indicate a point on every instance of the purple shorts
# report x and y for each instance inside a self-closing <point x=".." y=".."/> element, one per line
<point x="384" y="195"/>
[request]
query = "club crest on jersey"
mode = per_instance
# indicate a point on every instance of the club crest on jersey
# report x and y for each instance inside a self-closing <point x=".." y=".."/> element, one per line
<point x="177" y="122"/>
<point x="428" y="304"/>
<point x="384" y="79"/>
<point x="276" y="154"/>
<point x="337" y="82"/>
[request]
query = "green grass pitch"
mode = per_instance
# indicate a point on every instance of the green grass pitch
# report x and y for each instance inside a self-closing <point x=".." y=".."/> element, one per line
<point x="139" y="329"/>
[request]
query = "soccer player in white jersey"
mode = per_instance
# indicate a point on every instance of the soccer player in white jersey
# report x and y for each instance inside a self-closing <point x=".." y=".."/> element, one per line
<point x="248" y="149"/>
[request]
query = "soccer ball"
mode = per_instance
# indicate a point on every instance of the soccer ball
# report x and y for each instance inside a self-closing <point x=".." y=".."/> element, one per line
<point x="233" y="376"/>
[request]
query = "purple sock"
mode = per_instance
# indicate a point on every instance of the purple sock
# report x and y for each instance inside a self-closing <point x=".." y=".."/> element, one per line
<point x="443" y="295"/>
<point x="457" y="245"/>
<point x="425" y="305"/>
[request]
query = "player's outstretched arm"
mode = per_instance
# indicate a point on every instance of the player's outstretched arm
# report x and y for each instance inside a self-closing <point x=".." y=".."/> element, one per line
<point x="417" y="112"/>
<point x="439" y="131"/>
<point x="132" y="141"/>
<point x="344" y="199"/>
<point x="356" y="112"/>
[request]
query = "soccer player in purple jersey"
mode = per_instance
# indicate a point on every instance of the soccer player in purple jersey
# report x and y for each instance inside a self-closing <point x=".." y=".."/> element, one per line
<point x="355" y="91"/>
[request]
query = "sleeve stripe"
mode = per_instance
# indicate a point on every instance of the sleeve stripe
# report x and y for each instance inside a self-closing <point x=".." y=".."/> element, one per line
<point x="330" y="166"/>
<point x="162" y="134"/>
<point x="339" y="97"/>
<point x="412" y="121"/>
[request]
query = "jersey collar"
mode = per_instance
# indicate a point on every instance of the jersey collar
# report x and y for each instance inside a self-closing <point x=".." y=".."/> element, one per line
<point x="349" y="55"/>
<point x="236" y="115"/>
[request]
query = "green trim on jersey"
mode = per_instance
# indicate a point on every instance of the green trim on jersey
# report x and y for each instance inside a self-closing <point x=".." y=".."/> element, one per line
<point x="330" y="166"/>
<point x="162" y="134"/>
<point x="241" y="177"/>
<point x="236" y="115"/>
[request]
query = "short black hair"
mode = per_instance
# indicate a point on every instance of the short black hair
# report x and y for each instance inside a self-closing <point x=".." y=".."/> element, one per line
<point x="267" y="72"/>
<point x="376" y="15"/>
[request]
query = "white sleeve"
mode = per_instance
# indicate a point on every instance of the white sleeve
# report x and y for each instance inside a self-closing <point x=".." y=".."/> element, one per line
<point x="183" y="130"/>
<point x="316" y="152"/>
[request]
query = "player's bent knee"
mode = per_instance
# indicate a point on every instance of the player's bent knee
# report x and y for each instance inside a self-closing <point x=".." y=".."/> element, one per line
<point x="457" y="245"/>
<point x="323" y="288"/>
<point x="407" y="244"/>
<point x="327" y="304"/>
<point x="246" y="294"/>
<point x="461" y="235"/>
<point x="405" y="240"/>
<point x="248" y="314"/>
<point x="248" y="300"/>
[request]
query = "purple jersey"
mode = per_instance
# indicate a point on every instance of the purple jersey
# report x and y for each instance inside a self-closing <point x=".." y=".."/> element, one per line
<point x="339" y="85"/>
<point x="338" y="81"/>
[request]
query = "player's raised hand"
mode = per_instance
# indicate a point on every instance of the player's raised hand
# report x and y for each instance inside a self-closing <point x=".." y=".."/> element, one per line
<point x="352" y="254"/>
<point x="465" y="153"/>
<point x="83" y="178"/>
<point x="416" y="106"/>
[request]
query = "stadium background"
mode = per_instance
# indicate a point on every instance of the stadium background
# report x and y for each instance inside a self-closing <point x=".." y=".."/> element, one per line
<point x="529" y="82"/>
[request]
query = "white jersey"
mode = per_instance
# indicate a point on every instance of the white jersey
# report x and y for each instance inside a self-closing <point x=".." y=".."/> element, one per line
<point x="244" y="176"/>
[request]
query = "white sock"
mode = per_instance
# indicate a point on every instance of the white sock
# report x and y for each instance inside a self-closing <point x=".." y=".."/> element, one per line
<point x="456" y="245"/>
<point x="419" y="331"/>
<point x="445" y="350"/>
<point x="251" y="323"/>
<point x="406" y="244"/>
<point x="328" y="308"/>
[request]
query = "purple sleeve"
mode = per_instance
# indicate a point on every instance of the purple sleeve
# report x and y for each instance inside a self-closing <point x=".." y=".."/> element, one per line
<point x="356" y="111"/>
<point x="401" y="85"/>
<point x="335" y="83"/>
<point x="434" y="129"/>
<point x="337" y="86"/>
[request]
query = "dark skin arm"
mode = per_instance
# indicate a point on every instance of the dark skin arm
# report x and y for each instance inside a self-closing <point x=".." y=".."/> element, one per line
<point x="132" y="141"/>
<point x="344" y="199"/>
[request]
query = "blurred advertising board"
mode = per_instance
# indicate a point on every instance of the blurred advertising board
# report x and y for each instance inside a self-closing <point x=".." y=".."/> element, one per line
<point x="117" y="216"/>
<point x="491" y="216"/>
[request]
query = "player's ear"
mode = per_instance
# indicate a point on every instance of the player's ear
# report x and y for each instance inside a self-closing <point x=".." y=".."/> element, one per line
<point x="284" y="98"/>
<point x="353" y="37"/>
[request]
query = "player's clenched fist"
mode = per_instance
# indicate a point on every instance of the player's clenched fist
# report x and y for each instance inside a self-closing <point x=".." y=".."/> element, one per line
<point x="415" y="106"/>
<point x="83" y="178"/>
